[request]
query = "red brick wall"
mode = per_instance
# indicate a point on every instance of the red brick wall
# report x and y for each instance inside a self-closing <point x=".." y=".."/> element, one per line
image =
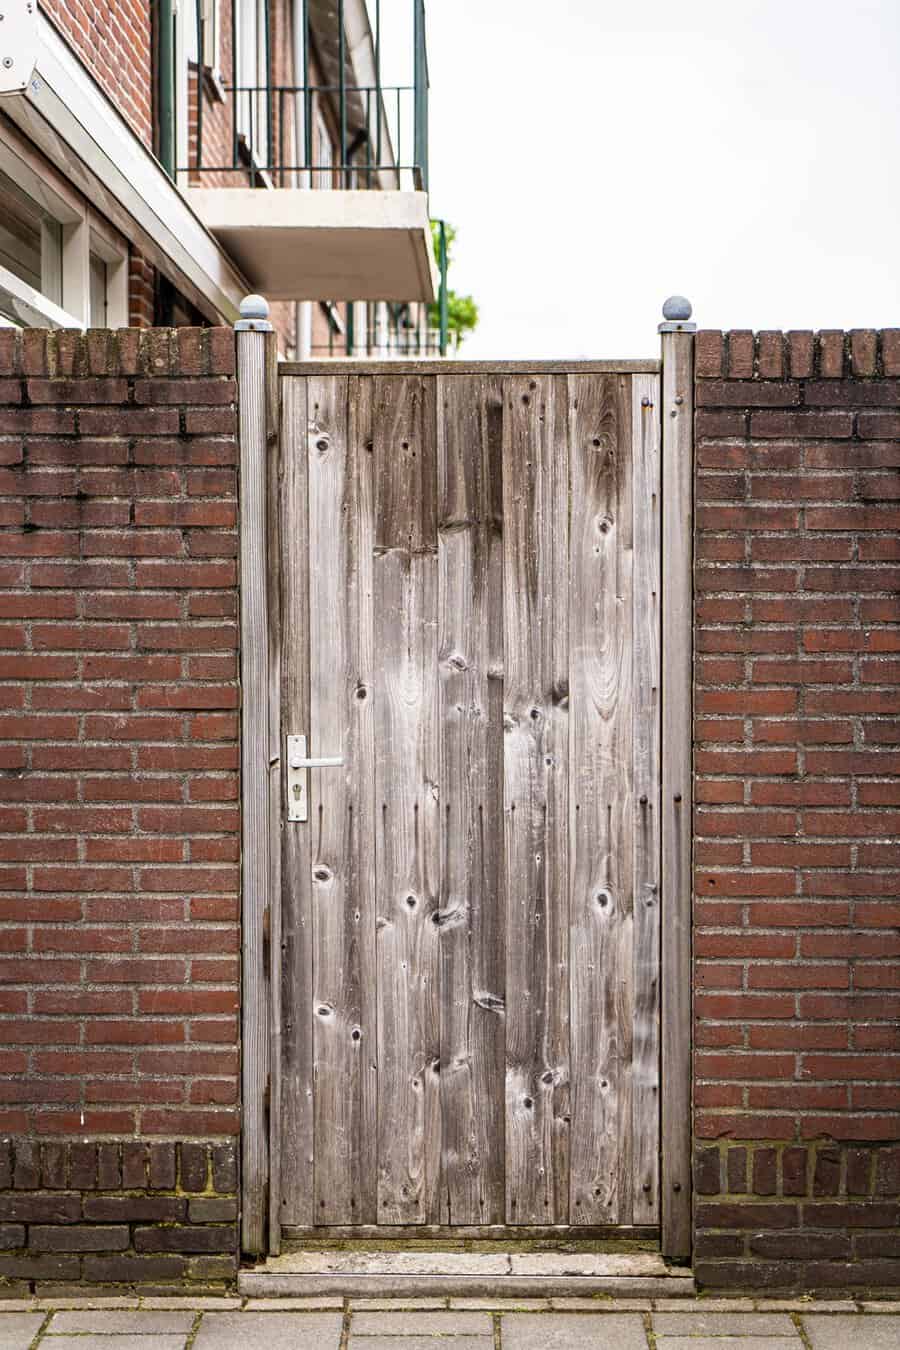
<point x="119" y="902"/>
<point x="113" y="39"/>
<point x="119" y="731"/>
<point x="797" y="757"/>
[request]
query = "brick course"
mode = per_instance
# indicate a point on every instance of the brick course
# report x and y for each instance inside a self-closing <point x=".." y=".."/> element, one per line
<point x="126" y="1212"/>
<point x="797" y="978"/>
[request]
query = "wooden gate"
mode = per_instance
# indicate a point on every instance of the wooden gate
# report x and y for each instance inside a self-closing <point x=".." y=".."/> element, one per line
<point x="470" y="911"/>
<point x="453" y="889"/>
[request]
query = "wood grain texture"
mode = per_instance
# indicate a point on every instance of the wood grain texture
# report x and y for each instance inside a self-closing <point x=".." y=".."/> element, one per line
<point x="339" y="1146"/>
<point x="677" y="607"/>
<point x="600" y="630"/>
<point x="406" y="790"/>
<point x="275" y="770"/>
<point x="255" y="818"/>
<point x="296" y="917"/>
<point x="431" y="368"/>
<point x="645" y="456"/>
<point x="472" y="938"/>
<point x="535" y="657"/>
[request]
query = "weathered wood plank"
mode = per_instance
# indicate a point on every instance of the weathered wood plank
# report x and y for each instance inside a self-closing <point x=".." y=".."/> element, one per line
<point x="645" y="453"/>
<point x="429" y="367"/>
<point x="677" y="602"/>
<point x="407" y="825"/>
<point x="296" y="919"/>
<point x="276" y="777"/>
<point x="600" y="785"/>
<point x="535" y="613"/>
<point x="255" y="776"/>
<point x="472" y="940"/>
<point x="362" y="756"/>
<point x="339" y="1146"/>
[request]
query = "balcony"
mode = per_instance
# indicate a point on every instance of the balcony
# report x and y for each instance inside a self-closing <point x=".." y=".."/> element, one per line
<point x="316" y="189"/>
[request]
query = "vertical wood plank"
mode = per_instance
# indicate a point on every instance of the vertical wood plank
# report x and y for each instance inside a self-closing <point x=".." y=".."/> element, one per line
<point x="472" y="938"/>
<point x="600" y="633"/>
<point x="296" y="918"/>
<point x="276" y="769"/>
<point x="339" y="1146"/>
<point x="646" y="737"/>
<point x="361" y="756"/>
<point x="406" y="778"/>
<point x="255" y="819"/>
<point x="677" y="612"/>
<point x="535" y="629"/>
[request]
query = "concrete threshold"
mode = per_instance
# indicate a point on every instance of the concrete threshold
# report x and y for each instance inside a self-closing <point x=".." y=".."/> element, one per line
<point x="500" y="1274"/>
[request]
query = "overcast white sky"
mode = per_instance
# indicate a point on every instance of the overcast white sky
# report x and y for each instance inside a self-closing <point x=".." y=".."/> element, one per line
<point x="597" y="156"/>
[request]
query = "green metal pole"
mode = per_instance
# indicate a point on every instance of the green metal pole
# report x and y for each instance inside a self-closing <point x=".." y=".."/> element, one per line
<point x="165" y="85"/>
<point x="443" y="301"/>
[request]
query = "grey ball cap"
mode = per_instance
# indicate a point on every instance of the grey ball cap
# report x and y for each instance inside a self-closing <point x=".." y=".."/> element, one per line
<point x="677" y="309"/>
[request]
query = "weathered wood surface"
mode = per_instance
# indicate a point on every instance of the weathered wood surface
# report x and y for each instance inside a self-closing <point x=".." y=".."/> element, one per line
<point x="472" y="939"/>
<point x="296" y="913"/>
<point x="677" y="603"/>
<point x="645" y="450"/>
<point x="601" y="786"/>
<point x="535" y="665"/>
<point x="256" y="872"/>
<point x="406" y="794"/>
<point x="431" y="368"/>
<point x="472" y="916"/>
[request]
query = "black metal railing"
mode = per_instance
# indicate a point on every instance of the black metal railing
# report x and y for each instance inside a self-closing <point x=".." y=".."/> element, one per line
<point x="337" y="134"/>
<point x="274" y="137"/>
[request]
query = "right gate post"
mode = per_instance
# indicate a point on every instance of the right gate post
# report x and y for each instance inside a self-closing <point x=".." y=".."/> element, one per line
<point x="677" y="418"/>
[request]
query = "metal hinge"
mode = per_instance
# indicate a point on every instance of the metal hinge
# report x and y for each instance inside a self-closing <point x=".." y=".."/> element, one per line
<point x="297" y="765"/>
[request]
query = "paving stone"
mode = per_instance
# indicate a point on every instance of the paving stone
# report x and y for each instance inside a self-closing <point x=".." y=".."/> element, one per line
<point x="134" y="1342"/>
<point x="107" y="1322"/>
<point x="59" y="1301"/>
<point x="18" y="1329"/>
<point x="724" y="1305"/>
<point x="870" y="1305"/>
<point x="394" y="1304"/>
<point x="418" y="1324"/>
<point x="805" y="1305"/>
<point x="572" y="1331"/>
<point x="420" y="1343"/>
<point x="219" y="1303"/>
<point x="728" y="1343"/>
<point x="699" y="1322"/>
<point x="301" y="1303"/>
<point x="860" y="1332"/>
<point x="272" y="1330"/>
<point x="601" y="1303"/>
<point x="504" y="1305"/>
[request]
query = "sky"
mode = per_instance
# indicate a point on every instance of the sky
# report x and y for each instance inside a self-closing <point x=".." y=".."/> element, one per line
<point x="596" y="157"/>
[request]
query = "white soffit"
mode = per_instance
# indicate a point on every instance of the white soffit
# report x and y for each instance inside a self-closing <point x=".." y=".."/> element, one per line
<point x="296" y="244"/>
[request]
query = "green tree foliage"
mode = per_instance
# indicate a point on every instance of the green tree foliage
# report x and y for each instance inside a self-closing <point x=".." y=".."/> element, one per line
<point x="462" y="311"/>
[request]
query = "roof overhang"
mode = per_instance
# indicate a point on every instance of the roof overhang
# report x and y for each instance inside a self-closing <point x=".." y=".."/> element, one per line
<point x="302" y="244"/>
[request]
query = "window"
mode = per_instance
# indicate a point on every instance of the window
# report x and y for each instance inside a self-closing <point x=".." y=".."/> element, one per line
<point x="252" y="94"/>
<point x="211" y="19"/>
<point x="59" y="265"/>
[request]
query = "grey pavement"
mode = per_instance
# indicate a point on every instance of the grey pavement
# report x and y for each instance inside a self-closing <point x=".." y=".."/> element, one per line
<point x="180" y="1323"/>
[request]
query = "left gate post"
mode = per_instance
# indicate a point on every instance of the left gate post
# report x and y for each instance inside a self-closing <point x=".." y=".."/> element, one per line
<point x="257" y="431"/>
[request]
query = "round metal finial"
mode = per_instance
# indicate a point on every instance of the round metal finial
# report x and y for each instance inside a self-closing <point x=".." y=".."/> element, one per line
<point x="254" y="307"/>
<point x="677" y="309"/>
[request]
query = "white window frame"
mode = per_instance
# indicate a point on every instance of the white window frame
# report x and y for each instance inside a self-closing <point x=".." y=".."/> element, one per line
<point x="64" y="300"/>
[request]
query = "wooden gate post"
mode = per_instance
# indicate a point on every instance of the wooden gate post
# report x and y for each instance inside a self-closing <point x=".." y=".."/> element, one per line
<point x="260" y="771"/>
<point x="677" y="678"/>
